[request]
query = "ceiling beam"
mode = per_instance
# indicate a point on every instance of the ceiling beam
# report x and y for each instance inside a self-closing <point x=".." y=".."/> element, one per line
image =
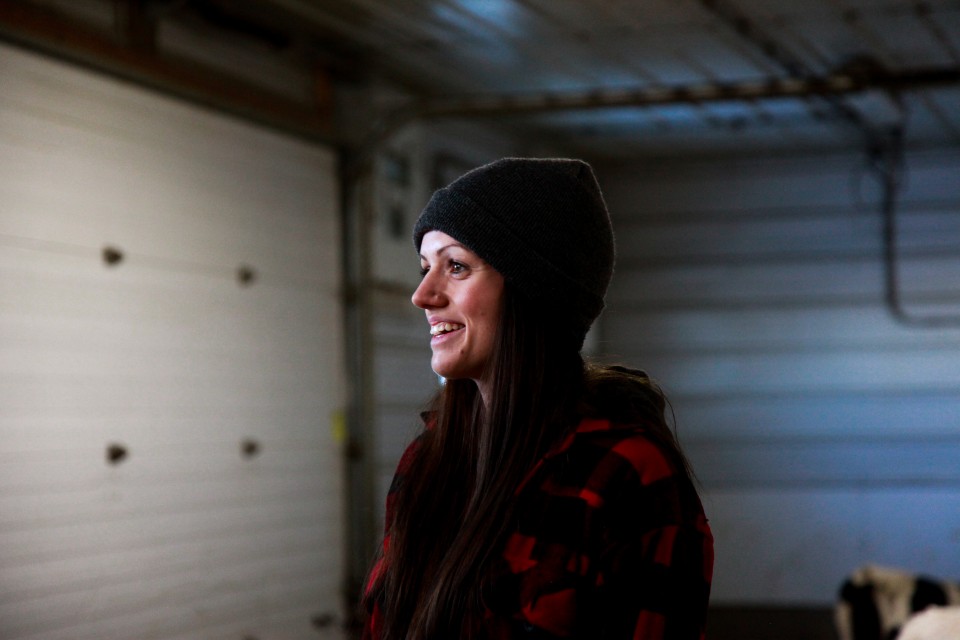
<point x="747" y="30"/>
<point x="749" y="90"/>
<point x="52" y="33"/>
<point x="493" y="105"/>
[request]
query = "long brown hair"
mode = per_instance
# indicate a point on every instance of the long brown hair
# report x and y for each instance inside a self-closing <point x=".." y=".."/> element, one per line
<point x="452" y="511"/>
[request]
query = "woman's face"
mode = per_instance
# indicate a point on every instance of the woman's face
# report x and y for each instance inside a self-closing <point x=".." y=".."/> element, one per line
<point x="462" y="296"/>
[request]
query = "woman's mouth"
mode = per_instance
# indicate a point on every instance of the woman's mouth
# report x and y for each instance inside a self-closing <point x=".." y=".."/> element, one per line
<point x="442" y="328"/>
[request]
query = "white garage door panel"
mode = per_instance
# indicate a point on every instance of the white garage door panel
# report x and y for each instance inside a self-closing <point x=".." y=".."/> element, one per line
<point x="168" y="355"/>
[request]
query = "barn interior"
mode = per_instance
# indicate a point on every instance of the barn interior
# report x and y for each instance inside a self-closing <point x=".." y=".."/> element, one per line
<point x="210" y="362"/>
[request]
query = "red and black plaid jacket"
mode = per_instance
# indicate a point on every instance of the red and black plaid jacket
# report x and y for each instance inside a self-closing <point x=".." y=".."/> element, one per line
<point x="611" y="543"/>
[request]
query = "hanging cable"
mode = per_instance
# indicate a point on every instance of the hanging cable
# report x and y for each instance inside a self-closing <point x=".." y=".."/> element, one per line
<point x="885" y="145"/>
<point x="886" y="155"/>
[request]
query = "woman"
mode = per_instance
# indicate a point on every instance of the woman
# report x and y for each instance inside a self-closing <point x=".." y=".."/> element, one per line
<point x="545" y="498"/>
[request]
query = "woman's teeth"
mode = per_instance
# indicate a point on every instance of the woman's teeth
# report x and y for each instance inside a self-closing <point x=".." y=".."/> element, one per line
<point x="444" y="327"/>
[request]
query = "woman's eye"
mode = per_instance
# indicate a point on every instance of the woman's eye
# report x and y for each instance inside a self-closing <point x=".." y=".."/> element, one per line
<point x="453" y="267"/>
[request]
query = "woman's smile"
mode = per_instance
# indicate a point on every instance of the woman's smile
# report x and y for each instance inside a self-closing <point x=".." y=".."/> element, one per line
<point x="441" y="329"/>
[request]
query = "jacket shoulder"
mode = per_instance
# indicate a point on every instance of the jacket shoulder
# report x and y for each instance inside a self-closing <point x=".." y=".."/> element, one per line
<point x="614" y="450"/>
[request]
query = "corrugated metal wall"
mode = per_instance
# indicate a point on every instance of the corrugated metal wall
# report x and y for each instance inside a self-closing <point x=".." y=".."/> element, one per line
<point x="221" y="512"/>
<point x="826" y="433"/>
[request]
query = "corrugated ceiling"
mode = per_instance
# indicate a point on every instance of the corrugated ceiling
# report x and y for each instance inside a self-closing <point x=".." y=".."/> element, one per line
<point x="621" y="76"/>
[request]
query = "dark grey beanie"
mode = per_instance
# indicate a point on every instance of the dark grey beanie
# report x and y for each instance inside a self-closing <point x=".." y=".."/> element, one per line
<point x="542" y="223"/>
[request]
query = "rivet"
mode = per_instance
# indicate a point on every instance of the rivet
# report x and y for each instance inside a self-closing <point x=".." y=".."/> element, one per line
<point x="250" y="448"/>
<point x="246" y="275"/>
<point x="112" y="256"/>
<point x="322" y="620"/>
<point x="116" y="453"/>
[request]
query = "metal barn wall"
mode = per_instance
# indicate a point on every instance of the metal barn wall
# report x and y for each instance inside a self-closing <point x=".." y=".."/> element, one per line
<point x="400" y="345"/>
<point x="825" y="432"/>
<point x="169" y="456"/>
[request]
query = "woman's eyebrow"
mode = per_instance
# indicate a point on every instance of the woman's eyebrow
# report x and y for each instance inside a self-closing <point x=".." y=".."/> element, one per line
<point x="443" y="249"/>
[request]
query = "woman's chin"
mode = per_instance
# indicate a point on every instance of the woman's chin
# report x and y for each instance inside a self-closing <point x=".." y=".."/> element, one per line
<point x="448" y="372"/>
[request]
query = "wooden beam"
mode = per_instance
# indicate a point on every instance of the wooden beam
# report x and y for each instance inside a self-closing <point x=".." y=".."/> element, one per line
<point x="52" y="33"/>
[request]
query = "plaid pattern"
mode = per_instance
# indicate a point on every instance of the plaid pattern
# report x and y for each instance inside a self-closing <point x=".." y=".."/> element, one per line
<point x="611" y="543"/>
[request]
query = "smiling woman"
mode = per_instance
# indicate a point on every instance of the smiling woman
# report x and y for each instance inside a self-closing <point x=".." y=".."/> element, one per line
<point x="545" y="498"/>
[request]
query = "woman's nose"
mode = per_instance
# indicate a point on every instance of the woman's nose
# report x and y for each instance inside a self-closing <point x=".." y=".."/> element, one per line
<point x="427" y="294"/>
